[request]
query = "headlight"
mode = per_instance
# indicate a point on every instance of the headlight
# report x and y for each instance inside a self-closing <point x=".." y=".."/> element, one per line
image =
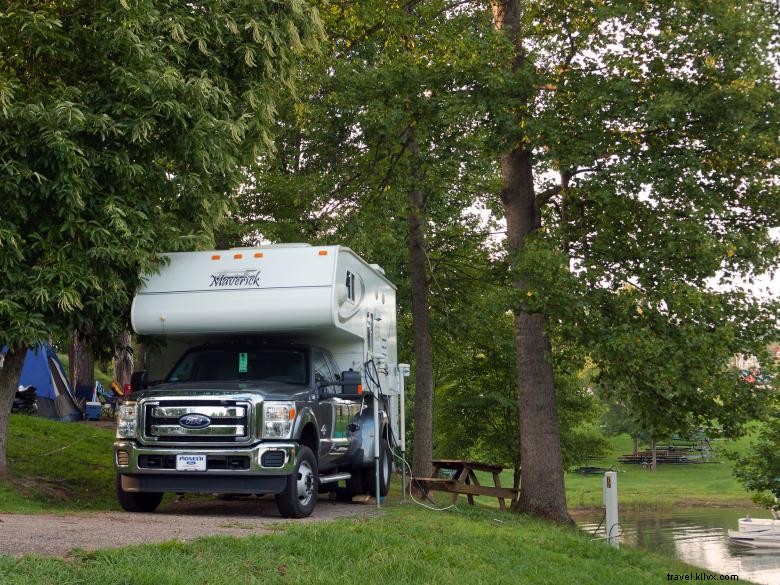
<point x="278" y="419"/>
<point x="126" y="422"/>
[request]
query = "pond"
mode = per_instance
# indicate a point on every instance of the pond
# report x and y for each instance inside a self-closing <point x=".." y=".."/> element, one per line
<point x="698" y="536"/>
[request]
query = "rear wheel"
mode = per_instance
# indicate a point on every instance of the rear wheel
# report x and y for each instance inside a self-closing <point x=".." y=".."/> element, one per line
<point x="385" y="470"/>
<point x="357" y="485"/>
<point x="300" y="494"/>
<point x="137" y="501"/>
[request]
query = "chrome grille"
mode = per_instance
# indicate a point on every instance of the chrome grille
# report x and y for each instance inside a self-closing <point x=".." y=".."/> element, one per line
<point x="229" y="421"/>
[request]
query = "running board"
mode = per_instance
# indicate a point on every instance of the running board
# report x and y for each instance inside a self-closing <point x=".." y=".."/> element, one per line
<point x="335" y="477"/>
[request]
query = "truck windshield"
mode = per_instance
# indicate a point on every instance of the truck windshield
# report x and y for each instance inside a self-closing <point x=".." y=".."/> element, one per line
<point x="243" y="363"/>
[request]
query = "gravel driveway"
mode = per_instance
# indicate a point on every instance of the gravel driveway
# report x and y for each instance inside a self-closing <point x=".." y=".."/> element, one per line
<point x="58" y="534"/>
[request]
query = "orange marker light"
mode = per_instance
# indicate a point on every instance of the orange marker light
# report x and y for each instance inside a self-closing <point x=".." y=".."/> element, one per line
<point x="237" y="256"/>
<point x="360" y="389"/>
<point x="258" y="254"/>
<point x="216" y="257"/>
<point x="323" y="252"/>
<point x="292" y="413"/>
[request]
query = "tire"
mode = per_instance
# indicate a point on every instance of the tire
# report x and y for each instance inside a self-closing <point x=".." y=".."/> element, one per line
<point x="137" y="501"/>
<point x="385" y="470"/>
<point x="357" y="485"/>
<point x="300" y="495"/>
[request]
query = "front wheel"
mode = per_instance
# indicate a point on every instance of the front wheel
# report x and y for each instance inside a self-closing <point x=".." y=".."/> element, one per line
<point x="300" y="494"/>
<point x="137" y="501"/>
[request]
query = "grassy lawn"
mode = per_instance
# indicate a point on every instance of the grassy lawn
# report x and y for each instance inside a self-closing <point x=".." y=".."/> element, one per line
<point x="406" y="544"/>
<point x="705" y="484"/>
<point x="57" y="467"/>
<point x="67" y="466"/>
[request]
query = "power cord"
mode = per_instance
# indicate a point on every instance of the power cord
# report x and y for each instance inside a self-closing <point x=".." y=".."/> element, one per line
<point x="411" y="479"/>
<point x="372" y="377"/>
<point x="603" y="517"/>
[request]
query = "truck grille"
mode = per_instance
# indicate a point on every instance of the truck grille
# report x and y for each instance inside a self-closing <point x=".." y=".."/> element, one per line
<point x="227" y="421"/>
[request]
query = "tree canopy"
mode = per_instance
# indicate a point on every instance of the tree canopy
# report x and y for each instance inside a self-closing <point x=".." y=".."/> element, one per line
<point x="123" y="127"/>
<point x="630" y="149"/>
<point x="638" y="192"/>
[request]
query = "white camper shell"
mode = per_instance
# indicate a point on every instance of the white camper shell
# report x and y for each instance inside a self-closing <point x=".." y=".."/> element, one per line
<point x="322" y="295"/>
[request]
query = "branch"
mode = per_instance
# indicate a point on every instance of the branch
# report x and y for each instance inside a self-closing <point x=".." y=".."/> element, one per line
<point x="545" y="196"/>
<point x="409" y="6"/>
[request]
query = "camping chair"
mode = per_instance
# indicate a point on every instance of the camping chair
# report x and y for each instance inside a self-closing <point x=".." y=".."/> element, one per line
<point x="108" y="398"/>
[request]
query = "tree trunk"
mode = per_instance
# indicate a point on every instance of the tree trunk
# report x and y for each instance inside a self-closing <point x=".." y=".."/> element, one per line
<point x="140" y="358"/>
<point x="634" y="445"/>
<point x="655" y="460"/>
<point x="423" y="376"/>
<point x="9" y="379"/>
<point x="516" y="476"/>
<point x="123" y="359"/>
<point x="541" y="488"/>
<point x="82" y="366"/>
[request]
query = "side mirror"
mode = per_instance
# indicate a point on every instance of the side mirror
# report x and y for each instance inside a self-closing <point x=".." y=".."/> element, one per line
<point x="351" y="383"/>
<point x="138" y="381"/>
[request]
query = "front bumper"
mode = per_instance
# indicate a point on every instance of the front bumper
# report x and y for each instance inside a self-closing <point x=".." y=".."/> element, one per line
<point x="255" y="478"/>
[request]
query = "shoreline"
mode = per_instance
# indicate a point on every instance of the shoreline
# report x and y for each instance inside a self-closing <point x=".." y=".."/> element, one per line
<point x="665" y="506"/>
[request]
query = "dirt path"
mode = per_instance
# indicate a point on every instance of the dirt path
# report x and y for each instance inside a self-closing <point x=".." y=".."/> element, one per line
<point x="58" y="534"/>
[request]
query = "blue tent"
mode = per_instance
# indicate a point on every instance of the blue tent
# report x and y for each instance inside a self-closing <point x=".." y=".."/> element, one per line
<point x="53" y="394"/>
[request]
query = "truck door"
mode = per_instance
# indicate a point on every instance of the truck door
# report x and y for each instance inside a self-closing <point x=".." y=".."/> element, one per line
<point x="326" y="410"/>
<point x="346" y="412"/>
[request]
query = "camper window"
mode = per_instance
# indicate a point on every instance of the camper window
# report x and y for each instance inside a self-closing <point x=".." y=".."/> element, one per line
<point x="350" y="283"/>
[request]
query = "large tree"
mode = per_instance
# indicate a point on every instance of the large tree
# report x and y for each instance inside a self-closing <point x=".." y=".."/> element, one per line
<point x="381" y="155"/>
<point x="123" y="126"/>
<point x="640" y="147"/>
<point x="625" y="189"/>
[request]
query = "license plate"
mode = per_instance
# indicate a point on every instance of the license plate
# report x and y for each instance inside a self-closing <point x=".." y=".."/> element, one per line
<point x="190" y="463"/>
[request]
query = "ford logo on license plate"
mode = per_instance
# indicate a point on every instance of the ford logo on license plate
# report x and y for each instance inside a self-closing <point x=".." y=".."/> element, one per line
<point x="194" y="421"/>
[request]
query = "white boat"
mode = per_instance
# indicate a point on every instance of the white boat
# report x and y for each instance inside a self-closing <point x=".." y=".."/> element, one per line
<point x="757" y="532"/>
<point x="749" y="524"/>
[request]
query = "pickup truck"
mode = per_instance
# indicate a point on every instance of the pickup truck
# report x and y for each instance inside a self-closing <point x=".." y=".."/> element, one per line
<point x="256" y="409"/>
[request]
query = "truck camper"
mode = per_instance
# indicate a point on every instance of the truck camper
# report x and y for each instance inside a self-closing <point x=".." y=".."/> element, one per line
<point x="270" y="370"/>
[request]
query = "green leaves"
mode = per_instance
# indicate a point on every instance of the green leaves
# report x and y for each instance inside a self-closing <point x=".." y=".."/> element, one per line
<point x="124" y="127"/>
<point x="759" y="469"/>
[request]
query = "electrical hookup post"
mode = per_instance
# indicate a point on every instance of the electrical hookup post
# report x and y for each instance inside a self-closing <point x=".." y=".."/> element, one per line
<point x="612" y="526"/>
<point x="402" y="373"/>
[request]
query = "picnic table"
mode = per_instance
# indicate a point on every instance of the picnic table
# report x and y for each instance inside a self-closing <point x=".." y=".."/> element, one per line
<point x="463" y="480"/>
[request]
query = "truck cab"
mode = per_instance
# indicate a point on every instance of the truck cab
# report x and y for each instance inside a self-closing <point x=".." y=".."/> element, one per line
<point x="258" y="408"/>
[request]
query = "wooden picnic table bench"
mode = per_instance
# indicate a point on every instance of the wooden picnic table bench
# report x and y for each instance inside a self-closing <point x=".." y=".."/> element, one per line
<point x="464" y="481"/>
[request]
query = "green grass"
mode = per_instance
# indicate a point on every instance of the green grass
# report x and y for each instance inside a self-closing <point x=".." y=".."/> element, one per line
<point x="706" y="484"/>
<point x="405" y="545"/>
<point x="57" y="466"/>
<point x="68" y="466"/>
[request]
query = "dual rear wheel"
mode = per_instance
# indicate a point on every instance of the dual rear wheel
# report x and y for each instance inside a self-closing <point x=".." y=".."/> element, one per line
<point x="363" y="481"/>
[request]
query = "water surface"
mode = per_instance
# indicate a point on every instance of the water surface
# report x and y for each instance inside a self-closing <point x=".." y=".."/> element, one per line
<point x="698" y="536"/>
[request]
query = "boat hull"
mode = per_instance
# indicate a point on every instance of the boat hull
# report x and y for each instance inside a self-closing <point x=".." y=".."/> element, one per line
<point x="754" y="540"/>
